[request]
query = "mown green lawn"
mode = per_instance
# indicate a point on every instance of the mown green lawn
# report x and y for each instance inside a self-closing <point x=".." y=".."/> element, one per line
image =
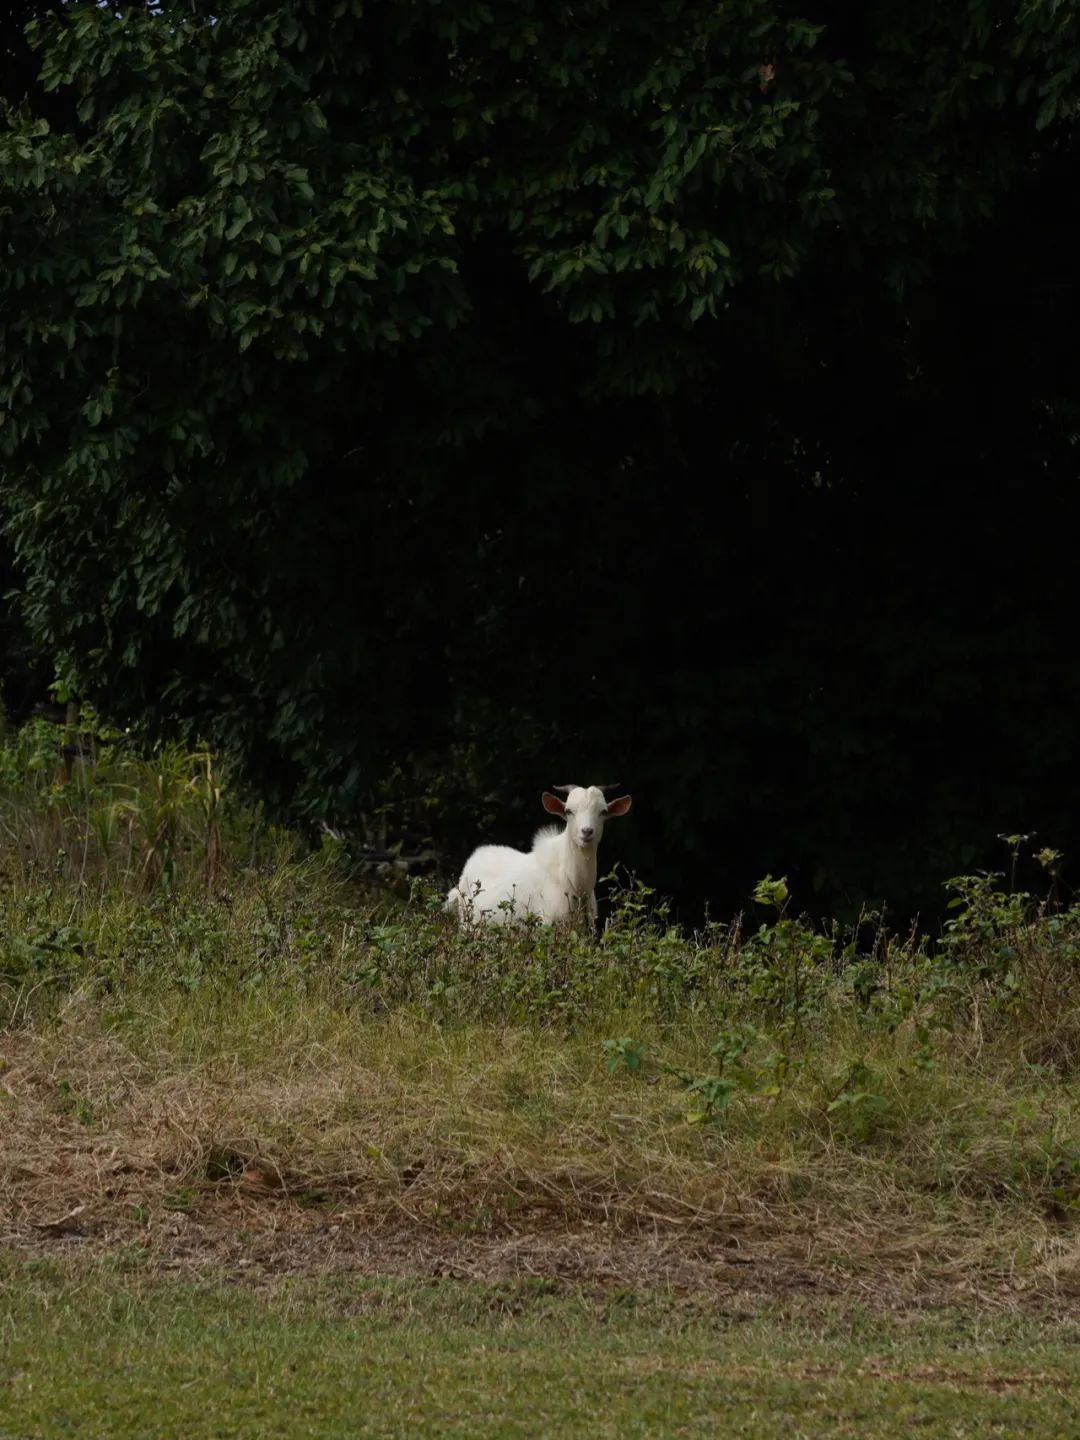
<point x="91" y="1351"/>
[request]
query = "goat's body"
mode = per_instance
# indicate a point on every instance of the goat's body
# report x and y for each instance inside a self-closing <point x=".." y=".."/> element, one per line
<point x="553" y="881"/>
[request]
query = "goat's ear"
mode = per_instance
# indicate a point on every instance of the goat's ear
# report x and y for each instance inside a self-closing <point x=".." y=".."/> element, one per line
<point x="553" y="805"/>
<point x="618" y="807"/>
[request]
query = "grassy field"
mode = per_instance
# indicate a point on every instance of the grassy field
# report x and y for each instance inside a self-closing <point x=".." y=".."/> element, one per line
<point x="282" y="1152"/>
<point x="114" y="1352"/>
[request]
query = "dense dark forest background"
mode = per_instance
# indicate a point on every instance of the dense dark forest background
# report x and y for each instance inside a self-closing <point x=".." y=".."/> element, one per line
<point x="432" y="402"/>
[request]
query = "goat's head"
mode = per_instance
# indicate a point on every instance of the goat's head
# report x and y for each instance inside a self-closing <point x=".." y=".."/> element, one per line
<point x="585" y="809"/>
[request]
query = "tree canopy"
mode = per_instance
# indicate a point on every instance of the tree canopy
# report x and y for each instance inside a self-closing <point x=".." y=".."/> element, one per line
<point x="419" y="398"/>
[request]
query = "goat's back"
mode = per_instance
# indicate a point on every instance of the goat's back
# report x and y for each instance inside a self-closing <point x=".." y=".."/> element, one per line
<point x="499" y="884"/>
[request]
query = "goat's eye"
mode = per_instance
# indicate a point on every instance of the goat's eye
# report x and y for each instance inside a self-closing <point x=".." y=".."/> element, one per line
<point x="569" y="814"/>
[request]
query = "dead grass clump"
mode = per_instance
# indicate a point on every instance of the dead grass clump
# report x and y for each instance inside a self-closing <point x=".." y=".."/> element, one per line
<point x="401" y="1126"/>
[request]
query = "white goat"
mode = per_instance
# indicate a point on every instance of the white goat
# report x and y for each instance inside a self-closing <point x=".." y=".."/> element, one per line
<point x="555" y="880"/>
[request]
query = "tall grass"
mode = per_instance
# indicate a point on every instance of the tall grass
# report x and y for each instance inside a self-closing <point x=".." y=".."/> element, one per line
<point x="181" y="982"/>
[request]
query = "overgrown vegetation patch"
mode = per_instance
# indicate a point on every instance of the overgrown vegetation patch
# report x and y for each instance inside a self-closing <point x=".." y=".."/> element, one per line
<point x="204" y="1019"/>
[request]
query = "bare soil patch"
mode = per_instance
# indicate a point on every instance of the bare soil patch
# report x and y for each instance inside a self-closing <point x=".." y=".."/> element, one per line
<point x="259" y="1242"/>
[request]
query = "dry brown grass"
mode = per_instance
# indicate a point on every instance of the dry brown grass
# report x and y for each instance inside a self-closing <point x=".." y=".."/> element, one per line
<point x="311" y="1139"/>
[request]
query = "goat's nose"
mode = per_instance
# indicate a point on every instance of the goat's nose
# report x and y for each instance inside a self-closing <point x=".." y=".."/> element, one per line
<point x="587" y="832"/>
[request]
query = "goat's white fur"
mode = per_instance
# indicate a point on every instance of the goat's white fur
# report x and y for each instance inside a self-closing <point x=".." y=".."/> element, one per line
<point x="555" y="880"/>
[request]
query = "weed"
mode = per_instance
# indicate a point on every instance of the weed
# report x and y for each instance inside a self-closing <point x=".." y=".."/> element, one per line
<point x="624" y="1052"/>
<point x="859" y="1106"/>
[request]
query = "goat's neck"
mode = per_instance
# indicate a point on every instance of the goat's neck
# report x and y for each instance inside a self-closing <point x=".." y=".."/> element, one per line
<point x="579" y="867"/>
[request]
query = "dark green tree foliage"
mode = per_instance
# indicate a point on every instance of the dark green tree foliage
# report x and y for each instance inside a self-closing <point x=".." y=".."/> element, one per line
<point x="487" y="395"/>
<point x="25" y="669"/>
